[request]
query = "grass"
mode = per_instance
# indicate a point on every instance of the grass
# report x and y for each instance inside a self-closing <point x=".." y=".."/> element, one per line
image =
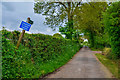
<point x="93" y="49"/>
<point x="112" y="65"/>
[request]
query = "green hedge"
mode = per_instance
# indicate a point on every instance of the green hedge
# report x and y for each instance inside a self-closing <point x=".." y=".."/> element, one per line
<point x="38" y="54"/>
<point x="111" y="21"/>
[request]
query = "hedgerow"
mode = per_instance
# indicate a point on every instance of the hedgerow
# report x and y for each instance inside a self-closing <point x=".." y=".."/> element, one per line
<point x="37" y="55"/>
<point x="111" y="19"/>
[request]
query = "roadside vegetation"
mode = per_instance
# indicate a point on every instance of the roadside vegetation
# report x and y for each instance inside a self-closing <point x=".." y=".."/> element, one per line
<point x="111" y="51"/>
<point x="112" y="65"/>
<point x="110" y="40"/>
<point x="37" y="55"/>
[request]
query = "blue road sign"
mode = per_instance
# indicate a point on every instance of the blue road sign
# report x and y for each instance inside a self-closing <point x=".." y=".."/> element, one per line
<point x="24" y="25"/>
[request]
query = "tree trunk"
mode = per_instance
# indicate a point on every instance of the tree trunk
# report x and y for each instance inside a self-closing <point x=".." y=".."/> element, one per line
<point x="71" y="27"/>
<point x="70" y="20"/>
<point x="91" y="39"/>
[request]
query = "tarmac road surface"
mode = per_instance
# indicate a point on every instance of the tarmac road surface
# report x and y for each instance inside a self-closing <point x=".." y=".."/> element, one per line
<point x="83" y="65"/>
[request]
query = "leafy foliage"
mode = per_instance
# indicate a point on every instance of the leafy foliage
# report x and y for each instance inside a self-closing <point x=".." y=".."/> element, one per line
<point x="37" y="55"/>
<point x="13" y="61"/>
<point x="57" y="13"/>
<point x="106" y="51"/>
<point x="57" y="35"/>
<point x="89" y="18"/>
<point x="66" y="30"/>
<point x="111" y="20"/>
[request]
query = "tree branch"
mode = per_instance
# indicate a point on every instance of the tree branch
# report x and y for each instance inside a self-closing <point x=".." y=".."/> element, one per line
<point x="76" y="7"/>
<point x="62" y="4"/>
<point x="73" y="6"/>
<point x="91" y="5"/>
<point x="78" y="4"/>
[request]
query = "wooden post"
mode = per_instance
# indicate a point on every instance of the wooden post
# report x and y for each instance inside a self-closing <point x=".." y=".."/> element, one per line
<point x="22" y="34"/>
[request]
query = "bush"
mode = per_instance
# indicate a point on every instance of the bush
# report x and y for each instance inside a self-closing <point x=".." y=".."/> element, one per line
<point x="57" y="35"/>
<point x="37" y="55"/>
<point x="111" y="19"/>
<point x="13" y="61"/>
<point x="106" y="51"/>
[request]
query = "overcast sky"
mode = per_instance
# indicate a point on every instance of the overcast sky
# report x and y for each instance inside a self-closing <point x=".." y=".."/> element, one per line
<point x="13" y="13"/>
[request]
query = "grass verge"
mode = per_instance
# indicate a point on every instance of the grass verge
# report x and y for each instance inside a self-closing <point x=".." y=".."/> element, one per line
<point x="93" y="49"/>
<point x="112" y="65"/>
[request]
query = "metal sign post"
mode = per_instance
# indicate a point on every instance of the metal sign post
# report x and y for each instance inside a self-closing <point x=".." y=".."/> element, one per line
<point x="25" y="26"/>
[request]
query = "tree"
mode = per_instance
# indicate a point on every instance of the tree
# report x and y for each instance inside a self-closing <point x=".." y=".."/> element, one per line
<point x="57" y="13"/>
<point x="111" y="20"/>
<point x="89" y="19"/>
<point x="66" y="31"/>
<point x="57" y="35"/>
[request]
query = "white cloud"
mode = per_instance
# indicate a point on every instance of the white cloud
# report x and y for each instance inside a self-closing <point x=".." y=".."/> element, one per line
<point x="48" y="30"/>
<point x="28" y="32"/>
<point x="17" y="0"/>
<point x="8" y="29"/>
<point x="0" y="15"/>
<point x="16" y="12"/>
